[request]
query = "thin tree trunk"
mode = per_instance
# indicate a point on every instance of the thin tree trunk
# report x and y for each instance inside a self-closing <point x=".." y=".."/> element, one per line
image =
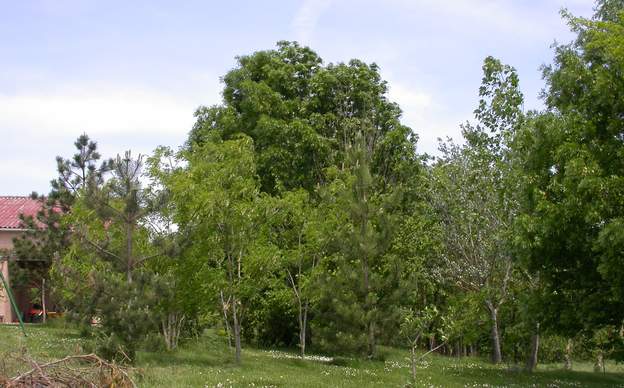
<point x="496" y="348"/>
<point x="228" y="331"/>
<point x="171" y="327"/>
<point x="233" y="300"/>
<point x="237" y="330"/>
<point x="370" y="324"/>
<point x="129" y="248"/>
<point x="413" y="362"/>
<point x="599" y="366"/>
<point x="43" y="300"/>
<point x="371" y="339"/>
<point x="302" y="312"/>
<point x="302" y="333"/>
<point x="568" y="355"/>
<point x="532" y="360"/>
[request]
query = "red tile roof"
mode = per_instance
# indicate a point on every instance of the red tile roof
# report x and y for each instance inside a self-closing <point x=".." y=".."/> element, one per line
<point x="12" y="207"/>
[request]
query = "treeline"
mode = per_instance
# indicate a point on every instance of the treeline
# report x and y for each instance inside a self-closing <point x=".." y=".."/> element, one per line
<point x="299" y="213"/>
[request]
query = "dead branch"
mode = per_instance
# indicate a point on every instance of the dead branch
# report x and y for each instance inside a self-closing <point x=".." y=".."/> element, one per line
<point x="73" y="371"/>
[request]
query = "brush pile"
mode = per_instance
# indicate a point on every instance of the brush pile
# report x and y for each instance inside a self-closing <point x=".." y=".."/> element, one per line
<point x="73" y="371"/>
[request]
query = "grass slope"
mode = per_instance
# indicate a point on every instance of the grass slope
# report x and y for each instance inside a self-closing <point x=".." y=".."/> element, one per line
<point x="207" y="362"/>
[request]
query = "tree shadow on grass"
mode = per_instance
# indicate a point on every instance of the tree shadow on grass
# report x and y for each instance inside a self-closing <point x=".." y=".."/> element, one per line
<point x="186" y="358"/>
<point x="538" y="378"/>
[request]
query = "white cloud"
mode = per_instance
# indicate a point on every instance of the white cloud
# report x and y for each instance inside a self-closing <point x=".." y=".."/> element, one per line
<point x="426" y="116"/>
<point x="96" y="109"/>
<point x="413" y="103"/>
<point x="307" y="17"/>
<point x="14" y="170"/>
<point x="38" y="124"/>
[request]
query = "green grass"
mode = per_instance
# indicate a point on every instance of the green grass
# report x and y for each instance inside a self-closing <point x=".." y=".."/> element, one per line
<point x="207" y="362"/>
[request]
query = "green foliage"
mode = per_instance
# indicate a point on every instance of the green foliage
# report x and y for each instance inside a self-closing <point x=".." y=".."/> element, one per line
<point x="299" y="213"/>
<point x="218" y="207"/>
<point x="571" y="162"/>
<point x="303" y="117"/>
<point x="358" y="288"/>
<point x="47" y="235"/>
<point x="418" y="324"/>
<point x="102" y="278"/>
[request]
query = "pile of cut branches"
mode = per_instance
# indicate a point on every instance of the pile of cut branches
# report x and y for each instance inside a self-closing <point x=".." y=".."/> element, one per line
<point x="86" y="370"/>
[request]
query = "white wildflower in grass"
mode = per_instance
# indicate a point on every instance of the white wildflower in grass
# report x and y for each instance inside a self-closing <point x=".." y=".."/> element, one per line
<point x="351" y="372"/>
<point x="284" y="355"/>
<point x="390" y="365"/>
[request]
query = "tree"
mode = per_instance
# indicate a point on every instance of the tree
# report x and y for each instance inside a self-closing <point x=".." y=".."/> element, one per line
<point x="420" y="324"/>
<point x="474" y="199"/>
<point x="121" y="203"/>
<point x="571" y="159"/>
<point x="217" y="201"/>
<point x="300" y="234"/>
<point x="304" y="119"/>
<point x="356" y="290"/>
<point x="472" y="222"/>
<point x="110" y="245"/>
<point x="46" y="236"/>
<point x="303" y="116"/>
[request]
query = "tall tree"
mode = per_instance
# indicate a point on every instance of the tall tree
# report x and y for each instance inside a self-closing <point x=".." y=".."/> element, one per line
<point x="356" y="292"/>
<point x="217" y="206"/>
<point x="110" y="246"/>
<point x="301" y="234"/>
<point x="303" y="116"/>
<point x="304" y="119"/>
<point x="571" y="155"/>
<point x="472" y="196"/>
<point x="46" y="236"/>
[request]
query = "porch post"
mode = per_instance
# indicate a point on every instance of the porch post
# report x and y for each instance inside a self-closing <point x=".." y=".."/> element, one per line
<point x="5" y="303"/>
<point x="7" y="292"/>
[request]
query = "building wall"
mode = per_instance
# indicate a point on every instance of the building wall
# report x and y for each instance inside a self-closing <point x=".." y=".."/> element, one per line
<point x="6" y="242"/>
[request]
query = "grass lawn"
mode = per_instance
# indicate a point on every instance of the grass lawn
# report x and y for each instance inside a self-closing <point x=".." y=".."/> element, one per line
<point x="207" y="362"/>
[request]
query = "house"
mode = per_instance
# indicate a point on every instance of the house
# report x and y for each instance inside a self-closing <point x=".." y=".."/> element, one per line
<point x="10" y="227"/>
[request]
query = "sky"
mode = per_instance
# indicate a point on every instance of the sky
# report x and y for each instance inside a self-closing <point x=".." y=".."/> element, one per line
<point x="130" y="74"/>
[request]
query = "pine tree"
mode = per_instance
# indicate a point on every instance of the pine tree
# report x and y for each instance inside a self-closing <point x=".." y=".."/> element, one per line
<point x="46" y="236"/>
<point x="355" y="299"/>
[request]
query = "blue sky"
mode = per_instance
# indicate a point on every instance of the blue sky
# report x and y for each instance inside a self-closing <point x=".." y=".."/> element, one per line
<point x="131" y="73"/>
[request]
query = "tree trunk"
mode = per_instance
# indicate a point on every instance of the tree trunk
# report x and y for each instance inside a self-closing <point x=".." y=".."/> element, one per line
<point x="129" y="251"/>
<point x="568" y="355"/>
<point x="532" y="360"/>
<point x="228" y="331"/>
<point x="599" y="366"/>
<point x="496" y="348"/>
<point x="43" y="301"/>
<point x="171" y="327"/>
<point x="371" y="339"/>
<point x="302" y="329"/>
<point x="237" y="330"/>
<point x="413" y="362"/>
<point x="368" y="308"/>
